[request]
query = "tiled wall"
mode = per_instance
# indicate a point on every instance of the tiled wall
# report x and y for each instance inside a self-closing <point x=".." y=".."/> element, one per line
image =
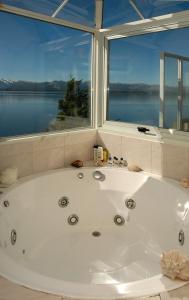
<point x="43" y="153"/>
<point x="161" y="158"/>
<point x="144" y="153"/>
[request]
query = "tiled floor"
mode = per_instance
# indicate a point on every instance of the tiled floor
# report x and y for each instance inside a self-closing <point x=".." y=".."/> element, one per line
<point x="11" y="291"/>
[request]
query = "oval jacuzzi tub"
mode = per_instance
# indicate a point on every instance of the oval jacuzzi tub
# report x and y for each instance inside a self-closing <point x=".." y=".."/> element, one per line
<point x="84" y="236"/>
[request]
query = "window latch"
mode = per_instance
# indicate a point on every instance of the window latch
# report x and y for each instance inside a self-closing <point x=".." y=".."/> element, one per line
<point x="145" y="131"/>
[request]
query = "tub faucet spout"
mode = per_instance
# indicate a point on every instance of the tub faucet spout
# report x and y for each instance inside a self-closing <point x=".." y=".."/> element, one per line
<point x="97" y="175"/>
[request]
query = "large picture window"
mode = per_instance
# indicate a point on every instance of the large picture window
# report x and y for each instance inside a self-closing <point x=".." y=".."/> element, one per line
<point x="45" y="76"/>
<point x="134" y="79"/>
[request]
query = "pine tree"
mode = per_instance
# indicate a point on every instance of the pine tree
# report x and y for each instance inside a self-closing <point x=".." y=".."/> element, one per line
<point x="75" y="102"/>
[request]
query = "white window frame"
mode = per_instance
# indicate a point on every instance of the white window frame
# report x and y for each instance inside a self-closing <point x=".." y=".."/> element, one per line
<point x="99" y="76"/>
<point x="94" y="58"/>
<point x="180" y="59"/>
<point x="157" y="24"/>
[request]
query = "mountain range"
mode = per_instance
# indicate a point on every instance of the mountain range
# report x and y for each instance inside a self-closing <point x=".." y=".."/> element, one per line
<point x="56" y="86"/>
<point x="59" y="86"/>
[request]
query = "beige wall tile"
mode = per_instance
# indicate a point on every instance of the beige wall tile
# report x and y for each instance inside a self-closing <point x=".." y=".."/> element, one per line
<point x="23" y="162"/>
<point x="56" y="158"/>
<point x="48" y="159"/>
<point x="82" y="151"/>
<point x="112" y="142"/>
<point x="15" y="147"/>
<point x="39" y="154"/>
<point x="8" y="162"/>
<point x="137" y="152"/>
<point x="49" y="141"/>
<point x="175" y="161"/>
<point x="79" y="146"/>
<point x="156" y="164"/>
<point x="85" y="136"/>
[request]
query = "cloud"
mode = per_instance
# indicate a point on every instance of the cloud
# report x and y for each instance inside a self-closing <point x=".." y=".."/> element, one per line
<point x="81" y="43"/>
<point x="58" y="41"/>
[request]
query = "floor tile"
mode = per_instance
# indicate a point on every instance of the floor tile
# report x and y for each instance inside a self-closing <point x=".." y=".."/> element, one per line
<point x="11" y="291"/>
<point x="178" y="294"/>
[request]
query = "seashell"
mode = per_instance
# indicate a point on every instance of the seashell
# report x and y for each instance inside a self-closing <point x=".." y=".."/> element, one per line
<point x="185" y="182"/>
<point x="175" y="265"/>
<point x="77" y="164"/>
<point x="134" y="168"/>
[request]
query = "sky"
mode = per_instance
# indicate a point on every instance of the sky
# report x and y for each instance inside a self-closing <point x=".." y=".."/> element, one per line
<point x="137" y="59"/>
<point x="37" y="51"/>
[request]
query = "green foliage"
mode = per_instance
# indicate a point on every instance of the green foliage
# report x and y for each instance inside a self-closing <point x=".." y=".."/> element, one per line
<point x="75" y="102"/>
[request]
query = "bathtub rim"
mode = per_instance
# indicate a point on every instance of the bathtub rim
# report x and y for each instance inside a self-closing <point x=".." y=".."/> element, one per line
<point x="28" y="178"/>
<point x="143" y="286"/>
<point x="130" y="291"/>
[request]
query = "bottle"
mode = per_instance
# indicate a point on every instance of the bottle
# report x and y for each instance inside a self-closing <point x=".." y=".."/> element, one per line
<point x="115" y="160"/>
<point x="125" y="164"/>
<point x="121" y="162"/>
<point x="100" y="153"/>
<point x="110" y="162"/>
<point x="95" y="153"/>
<point x="105" y="155"/>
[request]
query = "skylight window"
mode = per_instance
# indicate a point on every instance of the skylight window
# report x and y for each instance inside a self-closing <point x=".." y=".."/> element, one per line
<point x="125" y="11"/>
<point x="77" y="11"/>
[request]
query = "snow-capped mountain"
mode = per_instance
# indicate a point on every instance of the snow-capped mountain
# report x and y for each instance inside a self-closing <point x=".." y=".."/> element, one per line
<point x="6" y="83"/>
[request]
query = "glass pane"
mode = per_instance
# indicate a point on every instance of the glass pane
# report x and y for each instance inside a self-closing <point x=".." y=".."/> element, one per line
<point x="152" y="8"/>
<point x="134" y="76"/>
<point x="77" y="11"/>
<point x="46" y="7"/>
<point x="120" y="12"/>
<point x="185" y="104"/>
<point x="134" y="81"/>
<point x="171" y="93"/>
<point x="45" y="73"/>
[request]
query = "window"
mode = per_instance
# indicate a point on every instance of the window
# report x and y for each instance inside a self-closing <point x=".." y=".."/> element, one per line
<point x="134" y="78"/>
<point x="45" y="76"/>
<point x="125" y="11"/>
<point x="77" y="11"/>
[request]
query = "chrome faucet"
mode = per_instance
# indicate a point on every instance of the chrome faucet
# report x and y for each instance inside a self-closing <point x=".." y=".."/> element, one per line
<point x="97" y="175"/>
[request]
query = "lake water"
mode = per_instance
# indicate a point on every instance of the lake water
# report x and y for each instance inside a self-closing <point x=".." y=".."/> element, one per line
<point x="26" y="112"/>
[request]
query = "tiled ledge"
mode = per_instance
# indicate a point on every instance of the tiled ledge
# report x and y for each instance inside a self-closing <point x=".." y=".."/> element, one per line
<point x="12" y="291"/>
<point x="55" y="151"/>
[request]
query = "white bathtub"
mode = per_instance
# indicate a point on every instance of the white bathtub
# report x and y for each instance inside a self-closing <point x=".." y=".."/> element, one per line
<point x="121" y="261"/>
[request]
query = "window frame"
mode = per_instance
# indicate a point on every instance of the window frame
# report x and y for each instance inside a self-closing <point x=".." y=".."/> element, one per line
<point x="94" y="53"/>
<point x="99" y="61"/>
<point x="157" y="24"/>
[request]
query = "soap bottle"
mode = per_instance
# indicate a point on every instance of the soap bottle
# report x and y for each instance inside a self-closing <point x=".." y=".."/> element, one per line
<point x="110" y="162"/>
<point x="105" y="155"/>
<point x="100" y="153"/>
<point x="95" y="150"/>
<point x="121" y="162"/>
<point x="115" y="161"/>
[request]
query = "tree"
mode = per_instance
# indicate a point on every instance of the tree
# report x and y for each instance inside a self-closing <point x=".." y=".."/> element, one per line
<point x="76" y="100"/>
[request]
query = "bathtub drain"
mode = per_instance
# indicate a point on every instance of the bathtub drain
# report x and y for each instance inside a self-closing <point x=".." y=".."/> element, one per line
<point x="96" y="233"/>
